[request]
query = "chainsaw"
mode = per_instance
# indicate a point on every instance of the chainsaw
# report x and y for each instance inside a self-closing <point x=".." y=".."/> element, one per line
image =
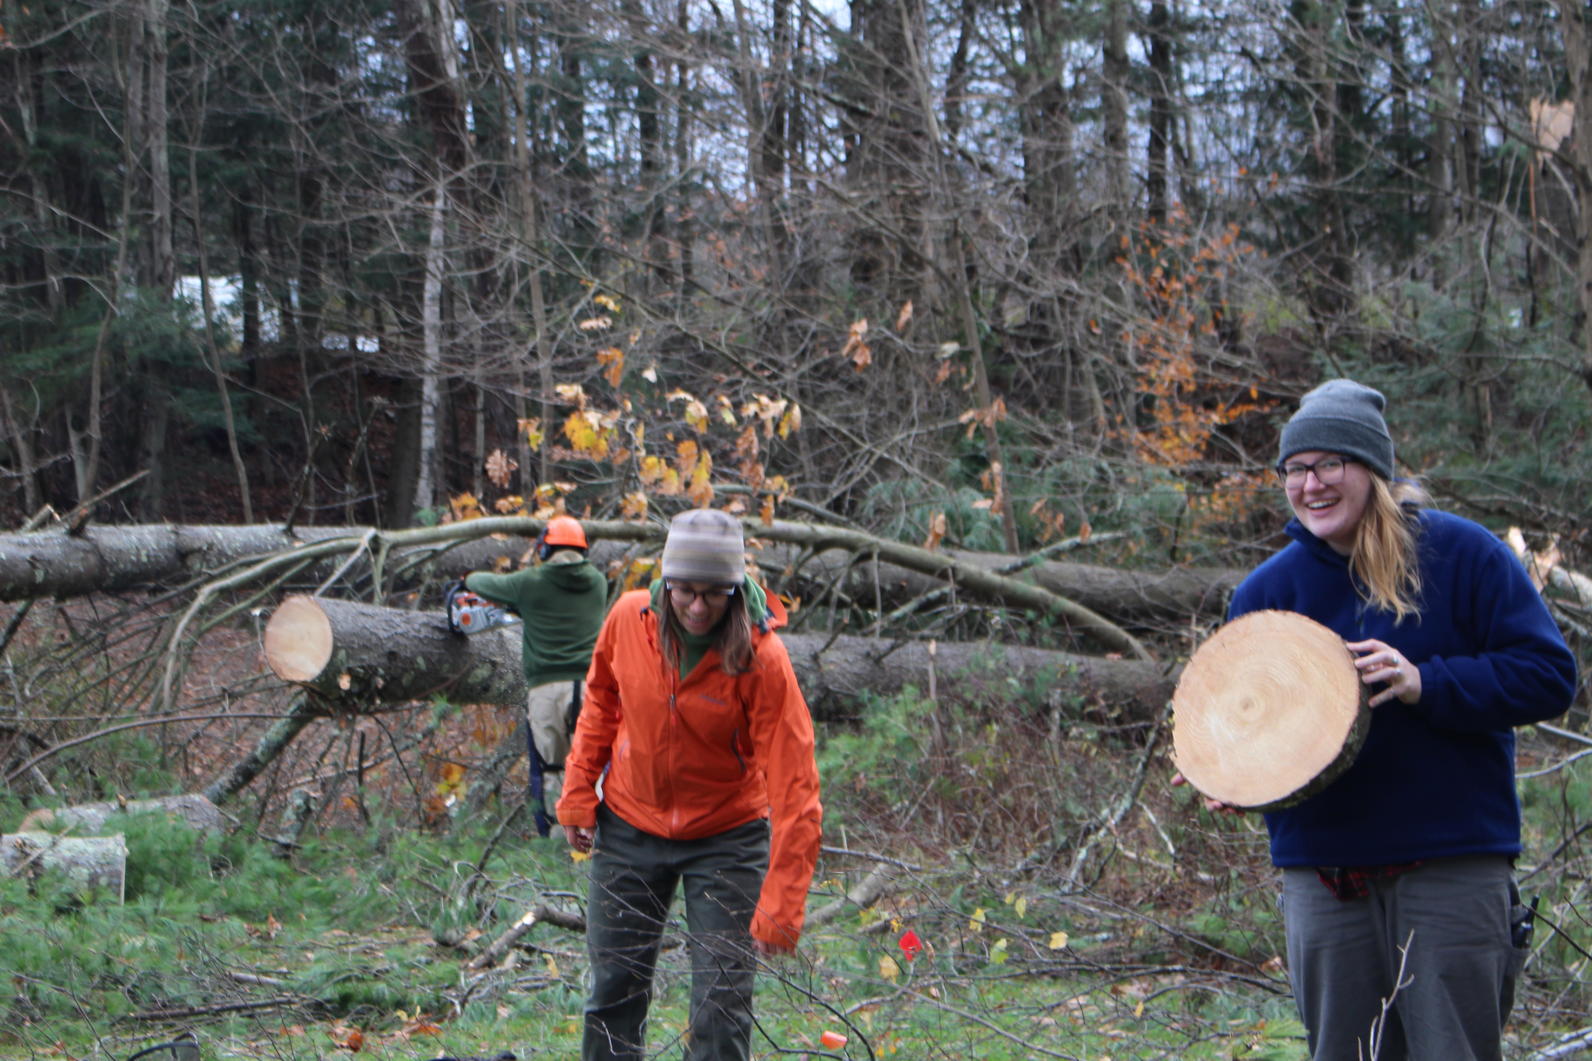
<point x="470" y="613"/>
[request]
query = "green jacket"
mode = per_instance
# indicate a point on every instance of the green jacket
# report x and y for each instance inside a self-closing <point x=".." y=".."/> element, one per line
<point x="562" y="602"/>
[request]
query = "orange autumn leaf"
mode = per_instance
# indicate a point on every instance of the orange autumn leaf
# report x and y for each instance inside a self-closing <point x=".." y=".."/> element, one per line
<point x="633" y="505"/>
<point x="612" y="360"/>
<point x="858" y="351"/>
<point x="687" y="454"/>
<point x="746" y="444"/>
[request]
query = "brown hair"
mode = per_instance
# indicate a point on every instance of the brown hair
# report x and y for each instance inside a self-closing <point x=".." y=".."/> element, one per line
<point x="1383" y="561"/>
<point x="732" y="637"/>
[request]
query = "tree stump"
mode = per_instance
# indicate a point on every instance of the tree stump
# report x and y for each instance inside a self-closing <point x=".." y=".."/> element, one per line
<point x="1268" y="712"/>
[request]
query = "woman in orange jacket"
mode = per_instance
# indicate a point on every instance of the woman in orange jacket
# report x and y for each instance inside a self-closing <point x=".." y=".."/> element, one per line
<point x="692" y="767"/>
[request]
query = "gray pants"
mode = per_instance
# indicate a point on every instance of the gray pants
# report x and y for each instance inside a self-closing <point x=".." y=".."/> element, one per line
<point x="1452" y="917"/>
<point x="633" y="878"/>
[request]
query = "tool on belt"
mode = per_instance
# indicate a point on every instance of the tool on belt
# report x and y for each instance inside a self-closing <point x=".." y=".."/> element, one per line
<point x="470" y="613"/>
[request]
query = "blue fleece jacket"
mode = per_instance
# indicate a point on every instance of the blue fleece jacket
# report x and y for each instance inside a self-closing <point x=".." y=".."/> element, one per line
<point x="1434" y="778"/>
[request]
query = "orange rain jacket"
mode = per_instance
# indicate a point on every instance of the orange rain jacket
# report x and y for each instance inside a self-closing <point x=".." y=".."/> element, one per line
<point x="686" y="758"/>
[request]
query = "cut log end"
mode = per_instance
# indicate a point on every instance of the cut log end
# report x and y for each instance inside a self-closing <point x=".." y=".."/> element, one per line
<point x="1268" y="712"/>
<point x="298" y="639"/>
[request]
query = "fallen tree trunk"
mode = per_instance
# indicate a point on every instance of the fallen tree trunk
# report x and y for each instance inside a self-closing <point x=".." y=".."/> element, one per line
<point x="353" y="656"/>
<point x="811" y="560"/>
<point x="86" y="861"/>
<point x="194" y="810"/>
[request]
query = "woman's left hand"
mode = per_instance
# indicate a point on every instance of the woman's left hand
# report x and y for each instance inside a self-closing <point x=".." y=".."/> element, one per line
<point x="1380" y="662"/>
<point x="769" y="950"/>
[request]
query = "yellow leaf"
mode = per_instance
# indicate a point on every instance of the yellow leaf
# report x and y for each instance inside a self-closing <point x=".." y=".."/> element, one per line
<point x="552" y="966"/>
<point x="1058" y="940"/>
<point x="577" y="856"/>
<point x="726" y="411"/>
<point x="997" y="953"/>
<point x="976" y="922"/>
<point x="696" y="414"/>
<point x="607" y="302"/>
<point x="701" y="488"/>
<point x="889" y="969"/>
<point x="791" y="421"/>
<point x="532" y="429"/>
<point x="1138" y="1011"/>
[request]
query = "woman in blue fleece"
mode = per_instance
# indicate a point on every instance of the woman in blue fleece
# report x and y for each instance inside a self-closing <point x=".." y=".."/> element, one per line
<point x="1399" y="873"/>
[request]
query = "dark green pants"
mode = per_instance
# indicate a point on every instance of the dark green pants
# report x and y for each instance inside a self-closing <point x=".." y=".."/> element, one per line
<point x="633" y="879"/>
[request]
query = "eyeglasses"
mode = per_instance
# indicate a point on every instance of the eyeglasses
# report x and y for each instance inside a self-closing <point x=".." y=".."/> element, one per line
<point x="685" y="596"/>
<point x="1329" y="471"/>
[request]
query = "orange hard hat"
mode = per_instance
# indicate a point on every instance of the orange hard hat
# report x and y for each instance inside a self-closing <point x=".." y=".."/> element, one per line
<point x="566" y="531"/>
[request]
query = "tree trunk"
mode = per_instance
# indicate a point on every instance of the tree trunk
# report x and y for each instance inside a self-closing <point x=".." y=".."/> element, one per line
<point x="1116" y="69"/>
<point x="1577" y="28"/>
<point x="356" y="656"/>
<point x="810" y="560"/>
<point x="1158" y="146"/>
<point x="87" y="861"/>
<point x="426" y="484"/>
<point x="194" y="810"/>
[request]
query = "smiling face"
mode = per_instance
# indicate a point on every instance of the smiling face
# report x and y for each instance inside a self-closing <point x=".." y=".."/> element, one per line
<point x="1332" y="513"/>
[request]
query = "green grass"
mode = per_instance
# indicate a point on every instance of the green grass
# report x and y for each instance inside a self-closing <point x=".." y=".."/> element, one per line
<point x="1163" y="943"/>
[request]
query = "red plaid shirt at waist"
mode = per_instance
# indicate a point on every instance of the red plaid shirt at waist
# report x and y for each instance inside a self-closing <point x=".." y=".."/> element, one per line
<point x="1354" y="882"/>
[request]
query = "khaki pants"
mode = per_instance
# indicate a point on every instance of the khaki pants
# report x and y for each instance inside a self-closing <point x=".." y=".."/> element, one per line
<point x="547" y="712"/>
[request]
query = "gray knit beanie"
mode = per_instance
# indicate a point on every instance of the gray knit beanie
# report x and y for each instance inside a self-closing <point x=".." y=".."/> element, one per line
<point x="1341" y="416"/>
<point x="705" y="545"/>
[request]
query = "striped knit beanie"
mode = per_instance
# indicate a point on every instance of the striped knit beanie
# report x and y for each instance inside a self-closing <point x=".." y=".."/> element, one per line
<point x="705" y="545"/>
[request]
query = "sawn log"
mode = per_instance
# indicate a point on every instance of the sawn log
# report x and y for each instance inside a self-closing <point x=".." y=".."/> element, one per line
<point x="1268" y="712"/>
<point x="360" y="655"/>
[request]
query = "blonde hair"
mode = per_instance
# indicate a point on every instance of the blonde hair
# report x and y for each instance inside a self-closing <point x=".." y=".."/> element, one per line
<point x="1384" y="561"/>
<point x="733" y="639"/>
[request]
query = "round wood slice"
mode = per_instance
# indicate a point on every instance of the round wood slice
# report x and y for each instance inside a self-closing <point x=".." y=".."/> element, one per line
<point x="1268" y="712"/>
<point x="298" y="639"/>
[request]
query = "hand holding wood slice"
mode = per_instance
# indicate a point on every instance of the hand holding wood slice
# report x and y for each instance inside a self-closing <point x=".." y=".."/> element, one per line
<point x="1268" y="712"/>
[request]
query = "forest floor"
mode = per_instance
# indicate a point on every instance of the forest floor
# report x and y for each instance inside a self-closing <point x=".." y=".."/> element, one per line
<point x="1067" y="901"/>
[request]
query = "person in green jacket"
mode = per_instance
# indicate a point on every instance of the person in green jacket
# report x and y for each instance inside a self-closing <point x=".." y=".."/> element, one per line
<point x="561" y="601"/>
